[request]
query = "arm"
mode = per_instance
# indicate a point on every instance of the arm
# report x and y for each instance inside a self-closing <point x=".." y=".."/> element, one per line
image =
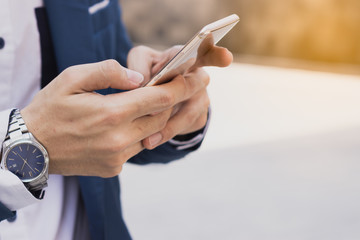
<point x="86" y="133"/>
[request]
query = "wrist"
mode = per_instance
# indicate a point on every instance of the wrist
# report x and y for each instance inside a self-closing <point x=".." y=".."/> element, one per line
<point x="24" y="156"/>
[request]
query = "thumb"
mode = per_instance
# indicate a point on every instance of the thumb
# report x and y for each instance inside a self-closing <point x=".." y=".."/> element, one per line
<point x="100" y="75"/>
<point x="165" y="57"/>
<point x="140" y="59"/>
<point x="215" y="56"/>
<point x="211" y="55"/>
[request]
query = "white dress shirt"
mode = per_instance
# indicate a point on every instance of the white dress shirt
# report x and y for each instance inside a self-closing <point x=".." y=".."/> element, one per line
<point x="20" y="74"/>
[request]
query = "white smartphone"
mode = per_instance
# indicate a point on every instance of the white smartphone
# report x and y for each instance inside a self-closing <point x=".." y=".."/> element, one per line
<point x="186" y="57"/>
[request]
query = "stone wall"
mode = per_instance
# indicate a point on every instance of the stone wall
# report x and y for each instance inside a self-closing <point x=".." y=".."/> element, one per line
<point x="320" y="30"/>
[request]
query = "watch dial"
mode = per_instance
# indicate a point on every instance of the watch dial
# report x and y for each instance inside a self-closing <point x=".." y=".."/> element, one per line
<point x="26" y="161"/>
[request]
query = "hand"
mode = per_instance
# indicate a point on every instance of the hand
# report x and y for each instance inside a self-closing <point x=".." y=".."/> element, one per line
<point x="149" y="61"/>
<point x="191" y="114"/>
<point x="86" y="133"/>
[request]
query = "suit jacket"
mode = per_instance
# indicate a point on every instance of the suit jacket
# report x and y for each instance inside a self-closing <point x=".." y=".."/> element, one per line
<point x="82" y="36"/>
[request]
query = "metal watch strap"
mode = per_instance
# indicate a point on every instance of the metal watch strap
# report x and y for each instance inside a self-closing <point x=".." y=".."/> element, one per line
<point x="17" y="126"/>
<point x="17" y="129"/>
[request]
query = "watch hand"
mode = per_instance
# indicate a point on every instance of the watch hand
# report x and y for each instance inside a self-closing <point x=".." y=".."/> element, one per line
<point x="25" y="161"/>
<point x="22" y="166"/>
<point x="29" y="166"/>
<point x="22" y="159"/>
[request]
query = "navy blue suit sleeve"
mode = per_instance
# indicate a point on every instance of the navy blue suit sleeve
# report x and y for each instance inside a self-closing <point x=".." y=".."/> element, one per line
<point x="5" y="213"/>
<point x="165" y="153"/>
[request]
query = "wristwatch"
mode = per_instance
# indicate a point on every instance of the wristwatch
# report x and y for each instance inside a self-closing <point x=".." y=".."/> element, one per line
<point x="24" y="156"/>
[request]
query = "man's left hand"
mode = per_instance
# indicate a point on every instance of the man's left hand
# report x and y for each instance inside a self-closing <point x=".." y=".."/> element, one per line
<point x="191" y="114"/>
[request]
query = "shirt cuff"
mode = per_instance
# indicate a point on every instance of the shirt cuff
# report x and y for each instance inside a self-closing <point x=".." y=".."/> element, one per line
<point x="14" y="195"/>
<point x="183" y="145"/>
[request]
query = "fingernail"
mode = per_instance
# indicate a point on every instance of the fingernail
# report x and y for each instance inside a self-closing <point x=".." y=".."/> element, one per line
<point x="134" y="77"/>
<point x="155" y="139"/>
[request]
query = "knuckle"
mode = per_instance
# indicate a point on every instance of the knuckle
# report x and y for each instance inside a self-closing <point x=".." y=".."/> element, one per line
<point x="162" y="124"/>
<point x="167" y="99"/>
<point x="141" y="128"/>
<point x="196" y="81"/>
<point x="109" y="69"/>
<point x="206" y="79"/>
<point x="162" y="120"/>
<point x="202" y="120"/>
<point x="191" y="85"/>
<point x="112" y="165"/>
<point x="110" y="119"/>
<point x="114" y="144"/>
<point x="112" y="116"/>
<point x="206" y="102"/>
<point x="111" y="172"/>
<point x="192" y="116"/>
<point x="139" y="105"/>
<point x="69" y="73"/>
<point x="109" y="66"/>
<point x="169" y="132"/>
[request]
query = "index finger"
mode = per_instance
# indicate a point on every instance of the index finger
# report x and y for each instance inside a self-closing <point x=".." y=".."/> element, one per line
<point x="144" y="101"/>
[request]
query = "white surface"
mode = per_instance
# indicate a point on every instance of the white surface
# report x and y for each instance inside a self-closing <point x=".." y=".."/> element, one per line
<point x="281" y="161"/>
<point x="253" y="104"/>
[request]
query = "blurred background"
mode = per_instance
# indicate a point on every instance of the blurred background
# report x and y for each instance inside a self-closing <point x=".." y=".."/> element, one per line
<point x="312" y="30"/>
<point x="281" y="156"/>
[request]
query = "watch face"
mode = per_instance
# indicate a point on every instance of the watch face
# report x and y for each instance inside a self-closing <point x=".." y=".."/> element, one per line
<point x="26" y="161"/>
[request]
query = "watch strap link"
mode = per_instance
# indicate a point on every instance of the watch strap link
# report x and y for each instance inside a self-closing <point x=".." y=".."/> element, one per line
<point x="17" y="125"/>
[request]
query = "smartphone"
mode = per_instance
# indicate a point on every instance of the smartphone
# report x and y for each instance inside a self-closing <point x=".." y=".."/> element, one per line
<point x="186" y="57"/>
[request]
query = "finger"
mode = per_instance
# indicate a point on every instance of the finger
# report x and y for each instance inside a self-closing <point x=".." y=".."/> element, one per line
<point x="165" y="57"/>
<point x="191" y="117"/>
<point x="196" y="80"/>
<point x="148" y="125"/>
<point x="144" y="101"/>
<point x="211" y="55"/>
<point x="176" y="126"/>
<point x="141" y="59"/>
<point x="214" y="56"/>
<point x="115" y="166"/>
<point x="129" y="152"/>
<point x="100" y="75"/>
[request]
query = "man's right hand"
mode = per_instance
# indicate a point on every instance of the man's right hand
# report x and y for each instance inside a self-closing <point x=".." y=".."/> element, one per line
<point x="86" y="133"/>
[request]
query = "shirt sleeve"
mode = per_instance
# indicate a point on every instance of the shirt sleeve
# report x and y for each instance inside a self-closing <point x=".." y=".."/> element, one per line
<point x="13" y="193"/>
<point x="191" y="140"/>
